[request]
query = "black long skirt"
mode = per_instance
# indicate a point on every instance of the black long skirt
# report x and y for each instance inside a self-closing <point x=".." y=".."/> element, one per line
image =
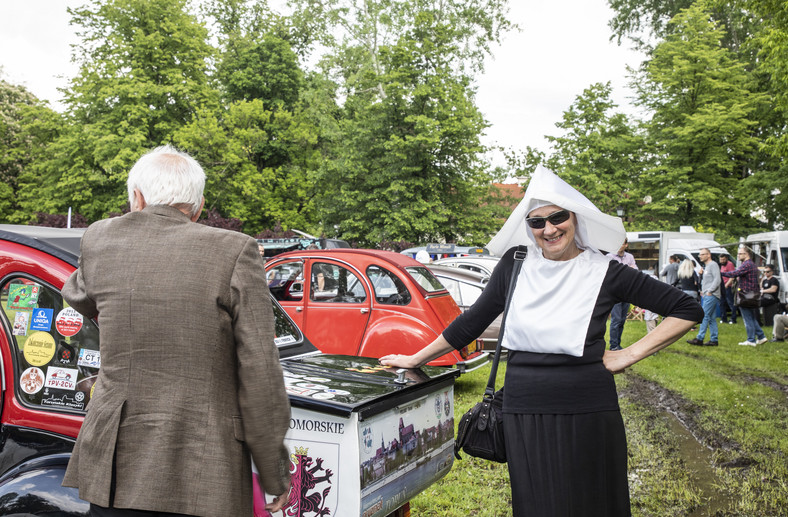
<point x="567" y="465"/>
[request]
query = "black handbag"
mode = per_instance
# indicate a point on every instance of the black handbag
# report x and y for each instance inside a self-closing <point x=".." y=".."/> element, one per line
<point x="480" y="431"/>
<point x="748" y="299"/>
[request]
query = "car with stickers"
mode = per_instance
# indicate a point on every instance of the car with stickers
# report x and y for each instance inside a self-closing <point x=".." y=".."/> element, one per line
<point x="364" y="439"/>
<point x="367" y="303"/>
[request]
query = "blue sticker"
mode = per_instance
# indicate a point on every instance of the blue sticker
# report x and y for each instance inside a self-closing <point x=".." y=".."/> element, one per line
<point x="42" y="319"/>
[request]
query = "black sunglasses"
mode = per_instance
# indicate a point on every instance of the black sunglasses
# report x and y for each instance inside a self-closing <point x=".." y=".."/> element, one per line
<point x="556" y="218"/>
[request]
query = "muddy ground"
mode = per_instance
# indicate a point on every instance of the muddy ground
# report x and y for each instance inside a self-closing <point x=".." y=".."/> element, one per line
<point x="648" y="393"/>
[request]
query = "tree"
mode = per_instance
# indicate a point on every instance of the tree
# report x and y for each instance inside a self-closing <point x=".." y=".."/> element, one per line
<point x="260" y="147"/>
<point x="409" y="167"/>
<point x="754" y="30"/>
<point x="769" y="186"/>
<point x="407" y="162"/>
<point x="16" y="148"/>
<point x="143" y="74"/>
<point x="599" y="153"/>
<point x="258" y="163"/>
<point x="702" y="125"/>
<point x="645" y="22"/>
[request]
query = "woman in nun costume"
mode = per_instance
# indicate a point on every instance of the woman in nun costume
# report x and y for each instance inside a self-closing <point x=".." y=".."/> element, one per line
<point x="565" y="441"/>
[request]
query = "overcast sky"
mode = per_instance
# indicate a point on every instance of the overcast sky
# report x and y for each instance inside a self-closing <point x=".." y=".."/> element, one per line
<point x="563" y="47"/>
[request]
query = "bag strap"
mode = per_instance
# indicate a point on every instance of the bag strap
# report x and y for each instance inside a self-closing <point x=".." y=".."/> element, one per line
<point x="519" y="256"/>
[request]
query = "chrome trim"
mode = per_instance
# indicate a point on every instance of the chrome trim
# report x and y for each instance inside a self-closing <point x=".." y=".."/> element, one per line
<point x="473" y="364"/>
<point x="437" y="295"/>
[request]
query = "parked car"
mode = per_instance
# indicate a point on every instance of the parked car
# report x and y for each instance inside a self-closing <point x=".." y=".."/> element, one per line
<point x="483" y="264"/>
<point x="272" y="247"/>
<point x="438" y="251"/>
<point x="367" y="303"/>
<point x="50" y="359"/>
<point x="465" y="287"/>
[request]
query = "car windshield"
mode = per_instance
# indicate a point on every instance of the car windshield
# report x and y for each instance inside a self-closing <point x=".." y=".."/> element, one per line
<point x="425" y="279"/>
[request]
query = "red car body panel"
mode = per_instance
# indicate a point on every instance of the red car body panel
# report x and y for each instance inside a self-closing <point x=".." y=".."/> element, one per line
<point x="368" y="327"/>
<point x="54" y="272"/>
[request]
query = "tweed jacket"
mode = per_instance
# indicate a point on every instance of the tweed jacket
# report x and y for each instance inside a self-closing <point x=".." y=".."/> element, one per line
<point x="190" y="382"/>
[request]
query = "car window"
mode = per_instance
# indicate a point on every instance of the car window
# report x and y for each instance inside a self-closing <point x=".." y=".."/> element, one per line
<point x="425" y="279"/>
<point x="335" y="283"/>
<point x="286" y="281"/>
<point x="470" y="293"/>
<point x="285" y="331"/>
<point x="387" y="286"/>
<point x="56" y="349"/>
<point x="471" y="267"/>
<point x="453" y="286"/>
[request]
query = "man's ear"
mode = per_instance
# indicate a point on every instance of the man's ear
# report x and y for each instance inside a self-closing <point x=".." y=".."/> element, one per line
<point x="139" y="201"/>
<point x="199" y="212"/>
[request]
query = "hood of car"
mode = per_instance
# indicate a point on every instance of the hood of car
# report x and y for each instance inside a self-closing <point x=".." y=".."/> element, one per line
<point x="343" y="384"/>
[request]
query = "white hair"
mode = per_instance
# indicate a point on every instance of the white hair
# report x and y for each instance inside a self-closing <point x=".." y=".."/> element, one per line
<point x="166" y="176"/>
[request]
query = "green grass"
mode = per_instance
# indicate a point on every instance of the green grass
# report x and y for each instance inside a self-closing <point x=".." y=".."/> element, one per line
<point x="733" y="399"/>
<point x="738" y="397"/>
<point x="473" y="487"/>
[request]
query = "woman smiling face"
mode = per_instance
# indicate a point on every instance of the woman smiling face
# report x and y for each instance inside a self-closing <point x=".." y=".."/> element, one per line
<point x="556" y="241"/>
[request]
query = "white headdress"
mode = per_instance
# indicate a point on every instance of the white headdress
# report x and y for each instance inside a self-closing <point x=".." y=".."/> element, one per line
<point x="595" y="230"/>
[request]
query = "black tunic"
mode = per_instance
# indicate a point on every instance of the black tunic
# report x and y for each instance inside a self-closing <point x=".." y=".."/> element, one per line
<point x="565" y="438"/>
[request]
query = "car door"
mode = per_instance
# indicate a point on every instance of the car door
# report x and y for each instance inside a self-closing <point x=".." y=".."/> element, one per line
<point x="338" y="306"/>
<point x="286" y="283"/>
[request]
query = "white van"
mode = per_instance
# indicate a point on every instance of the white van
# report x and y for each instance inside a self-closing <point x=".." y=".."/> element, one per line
<point x="652" y="249"/>
<point x="772" y="248"/>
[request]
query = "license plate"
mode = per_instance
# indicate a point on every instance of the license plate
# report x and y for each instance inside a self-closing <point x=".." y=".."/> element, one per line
<point x="472" y="348"/>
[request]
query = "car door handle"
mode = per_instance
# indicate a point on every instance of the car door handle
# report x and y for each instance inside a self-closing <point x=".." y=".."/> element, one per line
<point x="364" y="311"/>
<point x="299" y="309"/>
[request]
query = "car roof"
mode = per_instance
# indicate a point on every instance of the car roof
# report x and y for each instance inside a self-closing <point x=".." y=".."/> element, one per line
<point x="458" y="274"/>
<point x="473" y="258"/>
<point x="391" y="257"/>
<point x="62" y="243"/>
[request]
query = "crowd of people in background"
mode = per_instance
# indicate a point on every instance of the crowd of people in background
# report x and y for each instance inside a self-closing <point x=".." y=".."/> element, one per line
<point x="716" y="287"/>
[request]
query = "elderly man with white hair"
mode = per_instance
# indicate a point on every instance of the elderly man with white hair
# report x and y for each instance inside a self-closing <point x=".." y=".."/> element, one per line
<point x="190" y="383"/>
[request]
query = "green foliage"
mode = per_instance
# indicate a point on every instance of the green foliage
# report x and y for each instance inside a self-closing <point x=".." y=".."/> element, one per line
<point x="599" y="153"/>
<point x="143" y="74"/>
<point x="772" y="43"/>
<point x="407" y="164"/>
<point x="701" y="129"/>
<point x="258" y="163"/>
<point x="645" y="22"/>
<point x="266" y="69"/>
<point x="16" y="147"/>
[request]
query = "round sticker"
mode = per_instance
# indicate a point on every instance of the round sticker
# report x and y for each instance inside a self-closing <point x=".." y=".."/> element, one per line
<point x="68" y="322"/>
<point x="32" y="380"/>
<point x="310" y="386"/>
<point x="337" y="392"/>
<point x="39" y="349"/>
<point x="323" y="396"/>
